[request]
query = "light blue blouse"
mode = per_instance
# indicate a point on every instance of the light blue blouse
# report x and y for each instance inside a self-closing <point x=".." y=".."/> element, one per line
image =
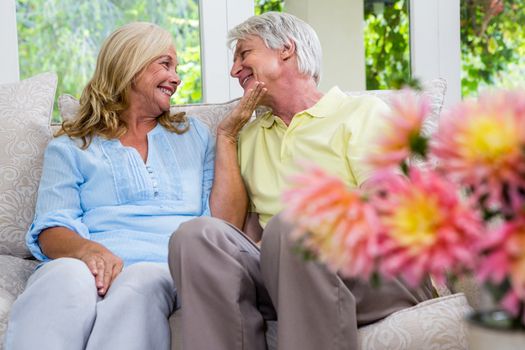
<point x="107" y="193"/>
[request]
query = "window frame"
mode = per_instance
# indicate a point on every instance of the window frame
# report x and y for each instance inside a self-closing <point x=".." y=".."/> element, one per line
<point x="435" y="43"/>
<point x="9" y="68"/>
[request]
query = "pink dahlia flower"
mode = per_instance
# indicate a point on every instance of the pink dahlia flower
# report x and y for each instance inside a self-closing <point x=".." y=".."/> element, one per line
<point x="402" y="135"/>
<point x="481" y="146"/>
<point x="505" y="256"/>
<point x="426" y="228"/>
<point x="335" y="223"/>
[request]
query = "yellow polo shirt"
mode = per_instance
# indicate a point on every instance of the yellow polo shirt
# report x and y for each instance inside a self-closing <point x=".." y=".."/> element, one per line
<point x="336" y="134"/>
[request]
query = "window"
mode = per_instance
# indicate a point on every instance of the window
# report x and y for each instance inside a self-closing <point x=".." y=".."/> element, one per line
<point x="492" y="45"/>
<point x="64" y="36"/>
<point x="387" y="43"/>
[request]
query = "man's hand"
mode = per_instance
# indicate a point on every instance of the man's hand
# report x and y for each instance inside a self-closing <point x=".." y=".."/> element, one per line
<point x="103" y="264"/>
<point x="232" y="124"/>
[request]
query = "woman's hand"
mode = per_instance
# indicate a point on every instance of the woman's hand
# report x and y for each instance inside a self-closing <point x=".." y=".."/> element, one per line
<point x="58" y="242"/>
<point x="232" y="124"/>
<point x="103" y="264"/>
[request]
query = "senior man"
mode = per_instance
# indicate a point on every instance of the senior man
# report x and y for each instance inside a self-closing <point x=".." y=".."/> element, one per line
<point x="224" y="281"/>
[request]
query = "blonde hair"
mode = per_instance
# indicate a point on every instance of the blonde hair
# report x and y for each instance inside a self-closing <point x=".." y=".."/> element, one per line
<point x="124" y="54"/>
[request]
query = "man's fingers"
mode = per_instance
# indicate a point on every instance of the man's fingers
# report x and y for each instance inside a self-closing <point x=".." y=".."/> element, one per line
<point x="251" y="99"/>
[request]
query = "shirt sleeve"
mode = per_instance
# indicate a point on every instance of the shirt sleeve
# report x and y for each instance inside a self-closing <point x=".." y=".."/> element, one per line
<point x="58" y="202"/>
<point x="208" y="166"/>
<point x="367" y="123"/>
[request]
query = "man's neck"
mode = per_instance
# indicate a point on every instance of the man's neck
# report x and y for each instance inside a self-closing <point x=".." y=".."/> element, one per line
<point x="296" y="97"/>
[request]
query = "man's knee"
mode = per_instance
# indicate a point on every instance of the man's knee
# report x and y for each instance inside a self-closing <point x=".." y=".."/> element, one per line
<point x="277" y="232"/>
<point x="194" y="233"/>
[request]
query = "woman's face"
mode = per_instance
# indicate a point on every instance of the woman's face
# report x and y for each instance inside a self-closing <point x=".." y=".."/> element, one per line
<point x="155" y="84"/>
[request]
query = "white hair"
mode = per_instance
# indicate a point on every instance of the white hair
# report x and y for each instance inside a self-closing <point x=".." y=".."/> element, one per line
<point x="277" y="30"/>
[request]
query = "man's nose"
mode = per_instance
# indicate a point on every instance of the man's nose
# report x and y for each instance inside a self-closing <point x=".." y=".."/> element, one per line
<point x="236" y="69"/>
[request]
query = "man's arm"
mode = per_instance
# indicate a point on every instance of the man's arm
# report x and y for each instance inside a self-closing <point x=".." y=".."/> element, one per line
<point x="229" y="199"/>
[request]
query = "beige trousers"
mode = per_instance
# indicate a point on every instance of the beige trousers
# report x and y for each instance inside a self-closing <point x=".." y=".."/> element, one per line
<point x="228" y="289"/>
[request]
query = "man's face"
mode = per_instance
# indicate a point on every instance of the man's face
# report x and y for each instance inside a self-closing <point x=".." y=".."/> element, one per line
<point x="253" y="61"/>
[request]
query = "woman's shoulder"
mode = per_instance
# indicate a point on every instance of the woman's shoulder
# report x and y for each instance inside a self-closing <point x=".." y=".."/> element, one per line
<point x="71" y="144"/>
<point x="196" y="126"/>
<point x="197" y="123"/>
<point x="63" y="141"/>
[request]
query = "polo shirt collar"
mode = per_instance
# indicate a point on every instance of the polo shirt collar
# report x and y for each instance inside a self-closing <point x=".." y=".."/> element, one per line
<point x="326" y="105"/>
<point x="267" y="119"/>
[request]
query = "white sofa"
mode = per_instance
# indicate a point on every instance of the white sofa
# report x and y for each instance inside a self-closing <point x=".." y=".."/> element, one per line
<point x="25" y="129"/>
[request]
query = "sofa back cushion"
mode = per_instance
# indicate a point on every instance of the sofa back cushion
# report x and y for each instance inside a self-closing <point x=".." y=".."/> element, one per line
<point x="434" y="90"/>
<point x="209" y="113"/>
<point x="212" y="113"/>
<point x="25" y="113"/>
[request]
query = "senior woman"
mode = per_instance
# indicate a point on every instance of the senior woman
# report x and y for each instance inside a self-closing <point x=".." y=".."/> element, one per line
<point x="116" y="182"/>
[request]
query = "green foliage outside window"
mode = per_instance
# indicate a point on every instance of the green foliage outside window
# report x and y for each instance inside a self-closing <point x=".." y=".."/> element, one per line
<point x="262" y="6"/>
<point x="387" y="45"/>
<point x="64" y="36"/>
<point x="492" y="44"/>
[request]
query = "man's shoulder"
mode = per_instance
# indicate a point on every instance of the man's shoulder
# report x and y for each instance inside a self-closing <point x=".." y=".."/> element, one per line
<point x="364" y="100"/>
<point x="339" y="103"/>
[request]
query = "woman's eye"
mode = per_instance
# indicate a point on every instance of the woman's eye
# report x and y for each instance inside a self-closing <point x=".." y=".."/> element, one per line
<point x="165" y="65"/>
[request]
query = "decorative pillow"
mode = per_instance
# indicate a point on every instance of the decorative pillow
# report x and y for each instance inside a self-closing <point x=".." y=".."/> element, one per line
<point x="25" y="114"/>
<point x="212" y="113"/>
<point x="433" y="324"/>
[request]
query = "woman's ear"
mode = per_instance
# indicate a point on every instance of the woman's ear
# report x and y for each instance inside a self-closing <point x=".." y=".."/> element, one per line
<point x="288" y="50"/>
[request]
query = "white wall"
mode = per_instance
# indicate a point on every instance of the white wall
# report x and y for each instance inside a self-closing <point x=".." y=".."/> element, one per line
<point x="339" y="25"/>
<point x="8" y="42"/>
<point x="216" y="18"/>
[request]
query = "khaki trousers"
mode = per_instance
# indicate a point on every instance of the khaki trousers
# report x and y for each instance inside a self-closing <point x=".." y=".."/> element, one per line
<point x="227" y="289"/>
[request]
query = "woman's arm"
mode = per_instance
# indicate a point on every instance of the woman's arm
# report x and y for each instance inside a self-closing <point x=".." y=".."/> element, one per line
<point x="57" y="230"/>
<point x="229" y="200"/>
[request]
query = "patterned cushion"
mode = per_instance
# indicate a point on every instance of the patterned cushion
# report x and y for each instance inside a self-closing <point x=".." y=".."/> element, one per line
<point x="432" y="324"/>
<point x="13" y="278"/>
<point x="25" y="112"/>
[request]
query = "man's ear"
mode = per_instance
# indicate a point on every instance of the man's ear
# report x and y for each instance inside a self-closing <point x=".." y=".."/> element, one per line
<point x="288" y="50"/>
